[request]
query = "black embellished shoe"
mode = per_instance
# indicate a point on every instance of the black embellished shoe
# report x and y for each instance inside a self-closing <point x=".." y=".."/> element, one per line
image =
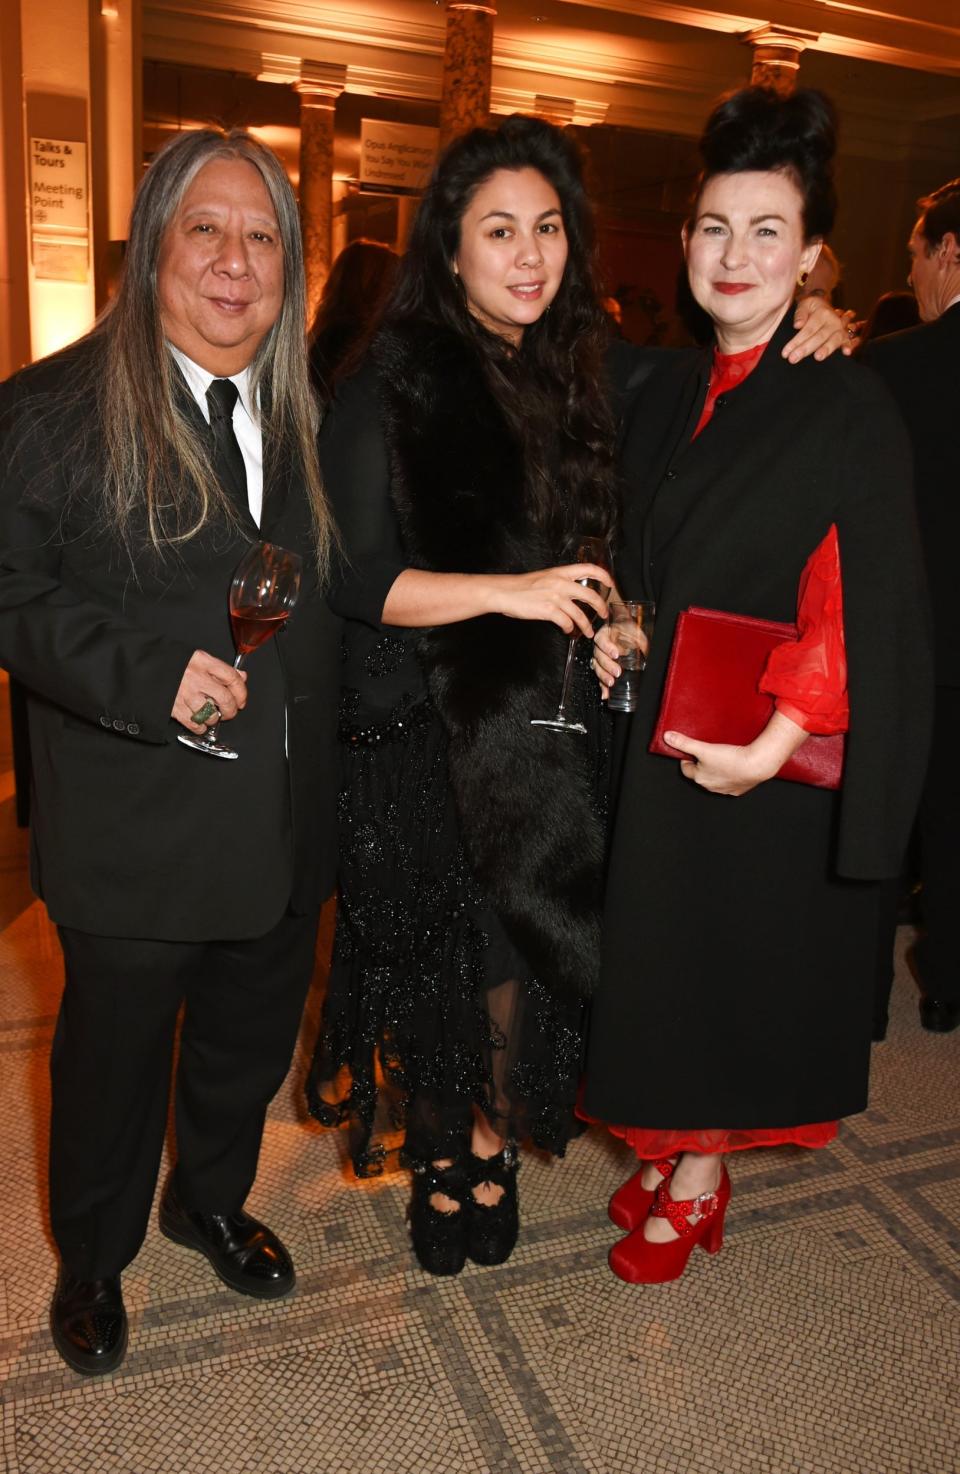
<point x="245" y="1254"/>
<point x="439" y="1238"/>
<point x="89" y="1323"/>
<point x="492" y="1231"/>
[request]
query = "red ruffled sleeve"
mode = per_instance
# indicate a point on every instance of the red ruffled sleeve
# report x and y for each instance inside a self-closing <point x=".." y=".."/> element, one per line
<point x="808" y="677"/>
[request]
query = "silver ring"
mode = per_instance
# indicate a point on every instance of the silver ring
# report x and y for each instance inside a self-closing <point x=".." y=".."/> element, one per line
<point x="209" y="711"/>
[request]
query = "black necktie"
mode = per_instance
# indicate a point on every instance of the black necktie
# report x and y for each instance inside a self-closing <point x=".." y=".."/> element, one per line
<point x="227" y="455"/>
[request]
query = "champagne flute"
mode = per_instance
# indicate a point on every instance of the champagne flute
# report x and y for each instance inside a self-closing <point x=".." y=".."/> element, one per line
<point x="589" y="550"/>
<point x="262" y="594"/>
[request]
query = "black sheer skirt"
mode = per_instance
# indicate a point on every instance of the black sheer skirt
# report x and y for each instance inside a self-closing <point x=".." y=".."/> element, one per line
<point x="430" y="1010"/>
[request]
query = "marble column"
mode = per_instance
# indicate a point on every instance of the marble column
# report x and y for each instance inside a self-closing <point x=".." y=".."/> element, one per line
<point x="776" y="56"/>
<point x="318" y="102"/>
<point x="467" y="68"/>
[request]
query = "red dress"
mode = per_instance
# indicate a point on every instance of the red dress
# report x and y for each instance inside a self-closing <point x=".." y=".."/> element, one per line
<point x="808" y="682"/>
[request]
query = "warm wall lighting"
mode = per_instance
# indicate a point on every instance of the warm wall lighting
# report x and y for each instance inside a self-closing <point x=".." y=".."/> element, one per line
<point x="110" y="8"/>
<point x="60" y="312"/>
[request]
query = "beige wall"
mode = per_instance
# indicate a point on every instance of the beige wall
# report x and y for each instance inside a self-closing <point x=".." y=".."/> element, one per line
<point x="68" y="72"/>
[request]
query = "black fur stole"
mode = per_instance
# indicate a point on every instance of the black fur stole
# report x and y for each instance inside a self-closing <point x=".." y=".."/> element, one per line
<point x="526" y="796"/>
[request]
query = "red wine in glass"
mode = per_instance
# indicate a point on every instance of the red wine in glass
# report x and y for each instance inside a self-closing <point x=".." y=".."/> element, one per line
<point x="252" y="628"/>
<point x="262" y="594"/>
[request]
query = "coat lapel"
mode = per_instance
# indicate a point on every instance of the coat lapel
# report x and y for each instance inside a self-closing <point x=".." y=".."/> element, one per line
<point x="277" y="476"/>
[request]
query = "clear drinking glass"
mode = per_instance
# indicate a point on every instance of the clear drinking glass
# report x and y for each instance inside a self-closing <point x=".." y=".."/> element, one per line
<point x="588" y="550"/>
<point x="631" y="629"/>
<point x="262" y="594"/>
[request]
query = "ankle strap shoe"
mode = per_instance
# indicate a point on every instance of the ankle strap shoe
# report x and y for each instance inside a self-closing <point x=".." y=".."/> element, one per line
<point x="640" y="1261"/>
<point x="492" y="1229"/>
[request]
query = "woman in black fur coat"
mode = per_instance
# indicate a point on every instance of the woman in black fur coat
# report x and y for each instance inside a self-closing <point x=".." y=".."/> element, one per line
<point x="465" y="459"/>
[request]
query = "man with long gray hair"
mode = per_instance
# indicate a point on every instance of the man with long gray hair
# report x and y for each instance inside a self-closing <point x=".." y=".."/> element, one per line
<point x="136" y="469"/>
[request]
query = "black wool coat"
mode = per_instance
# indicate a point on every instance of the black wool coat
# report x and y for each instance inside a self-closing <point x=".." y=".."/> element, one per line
<point x="740" y="934"/>
<point x="132" y="834"/>
<point x="525" y="796"/>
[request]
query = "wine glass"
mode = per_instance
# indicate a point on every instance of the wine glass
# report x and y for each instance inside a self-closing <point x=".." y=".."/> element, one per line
<point x="588" y="550"/>
<point x="262" y="594"/>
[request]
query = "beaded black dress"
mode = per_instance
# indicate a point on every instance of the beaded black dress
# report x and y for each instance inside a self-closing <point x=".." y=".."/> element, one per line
<point x="430" y="1008"/>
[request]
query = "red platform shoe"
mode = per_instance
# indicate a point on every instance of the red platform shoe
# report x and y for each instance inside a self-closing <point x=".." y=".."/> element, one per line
<point x="632" y="1201"/>
<point x="640" y="1262"/>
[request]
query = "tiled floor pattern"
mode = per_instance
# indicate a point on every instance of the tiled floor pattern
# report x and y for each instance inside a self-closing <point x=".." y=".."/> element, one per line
<point x="825" y="1339"/>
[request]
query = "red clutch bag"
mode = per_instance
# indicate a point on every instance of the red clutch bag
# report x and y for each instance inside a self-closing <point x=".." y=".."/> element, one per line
<point x="712" y="694"/>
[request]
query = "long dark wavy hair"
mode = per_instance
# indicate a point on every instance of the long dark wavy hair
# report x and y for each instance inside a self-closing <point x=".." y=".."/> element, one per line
<point x="552" y="390"/>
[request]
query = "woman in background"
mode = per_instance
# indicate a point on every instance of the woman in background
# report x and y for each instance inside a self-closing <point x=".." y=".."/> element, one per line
<point x="354" y="295"/>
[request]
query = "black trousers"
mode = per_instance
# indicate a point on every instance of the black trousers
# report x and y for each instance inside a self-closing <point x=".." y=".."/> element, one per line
<point x="938" y="947"/>
<point x="110" y="1074"/>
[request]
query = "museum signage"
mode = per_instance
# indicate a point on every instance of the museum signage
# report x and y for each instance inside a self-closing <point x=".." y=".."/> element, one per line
<point x="396" y="157"/>
<point x="59" y="209"/>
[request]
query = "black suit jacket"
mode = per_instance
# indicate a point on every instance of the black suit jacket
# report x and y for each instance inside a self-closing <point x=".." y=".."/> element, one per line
<point x="133" y="834"/>
<point x="921" y="368"/>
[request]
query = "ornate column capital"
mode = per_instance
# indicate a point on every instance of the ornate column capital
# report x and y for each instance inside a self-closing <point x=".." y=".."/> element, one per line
<point x="320" y="83"/>
<point x="319" y="79"/>
<point x="776" y="55"/>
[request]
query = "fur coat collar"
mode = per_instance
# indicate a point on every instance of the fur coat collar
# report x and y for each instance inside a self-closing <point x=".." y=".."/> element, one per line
<point x="526" y="796"/>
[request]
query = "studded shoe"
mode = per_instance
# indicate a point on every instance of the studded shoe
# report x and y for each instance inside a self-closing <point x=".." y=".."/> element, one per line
<point x="89" y="1323"/>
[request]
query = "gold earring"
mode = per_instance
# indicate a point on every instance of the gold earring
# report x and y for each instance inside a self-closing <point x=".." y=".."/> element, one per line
<point x="802" y="278"/>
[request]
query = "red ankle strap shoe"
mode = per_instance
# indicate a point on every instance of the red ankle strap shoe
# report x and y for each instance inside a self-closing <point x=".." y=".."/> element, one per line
<point x="696" y="1221"/>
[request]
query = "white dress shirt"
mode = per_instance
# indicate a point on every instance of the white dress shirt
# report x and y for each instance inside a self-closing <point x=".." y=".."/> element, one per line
<point x="246" y="422"/>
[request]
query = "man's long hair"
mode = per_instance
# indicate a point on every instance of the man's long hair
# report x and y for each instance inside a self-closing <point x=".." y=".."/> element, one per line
<point x="155" y="466"/>
<point x="551" y="392"/>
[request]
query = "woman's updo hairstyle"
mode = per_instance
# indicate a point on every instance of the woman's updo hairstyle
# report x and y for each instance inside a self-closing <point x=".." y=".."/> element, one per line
<point x="758" y="129"/>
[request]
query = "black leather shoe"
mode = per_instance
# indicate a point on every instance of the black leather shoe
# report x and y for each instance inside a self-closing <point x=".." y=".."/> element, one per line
<point x="939" y="1015"/>
<point x="246" y="1254"/>
<point x="89" y="1323"/>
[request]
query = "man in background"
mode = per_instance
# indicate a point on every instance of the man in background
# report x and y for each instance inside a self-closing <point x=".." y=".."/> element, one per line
<point x="921" y="368"/>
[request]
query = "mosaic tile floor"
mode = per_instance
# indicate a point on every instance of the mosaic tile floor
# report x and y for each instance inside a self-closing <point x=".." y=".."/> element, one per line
<point x="825" y="1339"/>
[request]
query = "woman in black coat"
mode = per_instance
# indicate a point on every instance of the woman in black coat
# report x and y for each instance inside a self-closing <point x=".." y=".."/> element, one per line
<point x="734" y="1007"/>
